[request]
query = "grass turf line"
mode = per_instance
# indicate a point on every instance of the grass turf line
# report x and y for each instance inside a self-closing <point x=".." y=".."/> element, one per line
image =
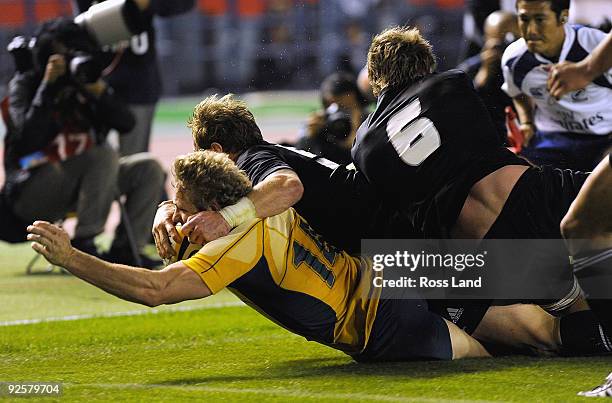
<point x="40" y="297"/>
<point x="233" y="354"/>
<point x="236" y="354"/>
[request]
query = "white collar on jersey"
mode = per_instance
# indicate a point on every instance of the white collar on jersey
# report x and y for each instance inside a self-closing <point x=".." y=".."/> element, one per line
<point x="570" y="36"/>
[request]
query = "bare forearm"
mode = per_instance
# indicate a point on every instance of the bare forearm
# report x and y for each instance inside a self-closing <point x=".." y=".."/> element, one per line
<point x="601" y="59"/>
<point x="276" y="194"/>
<point x="173" y="284"/>
<point x="523" y="108"/>
<point x="128" y="283"/>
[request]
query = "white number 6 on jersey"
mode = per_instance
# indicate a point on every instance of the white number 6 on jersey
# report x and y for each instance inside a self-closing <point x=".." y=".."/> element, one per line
<point x="416" y="141"/>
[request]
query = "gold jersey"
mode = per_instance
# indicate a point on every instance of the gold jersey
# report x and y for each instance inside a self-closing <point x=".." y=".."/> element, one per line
<point x="287" y="272"/>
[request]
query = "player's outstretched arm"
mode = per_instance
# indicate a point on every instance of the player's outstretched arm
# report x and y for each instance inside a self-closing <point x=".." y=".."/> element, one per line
<point x="566" y="77"/>
<point x="175" y="283"/>
<point x="272" y="196"/>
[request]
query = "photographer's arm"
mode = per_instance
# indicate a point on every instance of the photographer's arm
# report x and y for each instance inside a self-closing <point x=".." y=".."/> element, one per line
<point x="30" y="107"/>
<point x="110" y="111"/>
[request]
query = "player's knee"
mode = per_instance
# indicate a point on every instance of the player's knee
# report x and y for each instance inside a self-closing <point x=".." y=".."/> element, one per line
<point x="544" y="340"/>
<point x="541" y="337"/>
<point x="539" y="330"/>
<point x="522" y="327"/>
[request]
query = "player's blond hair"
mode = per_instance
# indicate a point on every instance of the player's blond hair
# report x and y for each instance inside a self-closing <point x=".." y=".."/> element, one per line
<point x="399" y="56"/>
<point x="210" y="179"/>
<point x="226" y="121"/>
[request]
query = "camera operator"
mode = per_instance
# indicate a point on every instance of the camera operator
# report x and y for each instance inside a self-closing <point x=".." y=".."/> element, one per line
<point x="330" y="132"/>
<point x="135" y="75"/>
<point x="56" y="156"/>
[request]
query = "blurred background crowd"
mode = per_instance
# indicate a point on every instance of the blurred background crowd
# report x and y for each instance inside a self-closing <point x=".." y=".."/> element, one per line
<point x="245" y="45"/>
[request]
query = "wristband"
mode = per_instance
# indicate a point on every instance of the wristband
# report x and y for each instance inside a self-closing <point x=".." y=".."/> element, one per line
<point x="238" y="213"/>
<point x="527" y="123"/>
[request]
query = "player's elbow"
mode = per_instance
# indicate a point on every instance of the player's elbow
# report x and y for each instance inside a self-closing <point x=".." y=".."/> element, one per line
<point x="154" y="293"/>
<point x="151" y="298"/>
<point x="294" y="189"/>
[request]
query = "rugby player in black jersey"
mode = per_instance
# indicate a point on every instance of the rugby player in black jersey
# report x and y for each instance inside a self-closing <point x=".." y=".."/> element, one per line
<point x="285" y="270"/>
<point x="335" y="200"/>
<point x="429" y="148"/>
<point x="277" y="265"/>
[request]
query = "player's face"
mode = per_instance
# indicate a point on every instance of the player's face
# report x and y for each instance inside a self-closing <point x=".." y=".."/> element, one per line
<point x="540" y="28"/>
<point x="184" y="208"/>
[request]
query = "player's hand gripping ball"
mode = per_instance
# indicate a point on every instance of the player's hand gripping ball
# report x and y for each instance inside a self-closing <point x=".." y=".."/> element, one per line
<point x="183" y="249"/>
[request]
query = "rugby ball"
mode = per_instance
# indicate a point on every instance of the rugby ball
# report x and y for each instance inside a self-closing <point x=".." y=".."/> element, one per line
<point x="182" y="250"/>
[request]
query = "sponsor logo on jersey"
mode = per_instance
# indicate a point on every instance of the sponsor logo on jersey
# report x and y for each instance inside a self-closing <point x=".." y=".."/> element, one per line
<point x="537" y="92"/>
<point x="570" y="124"/>
<point x="579" y="96"/>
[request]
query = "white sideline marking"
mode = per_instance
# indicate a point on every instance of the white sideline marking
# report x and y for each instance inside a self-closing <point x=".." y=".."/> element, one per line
<point x="138" y="312"/>
<point x="275" y="392"/>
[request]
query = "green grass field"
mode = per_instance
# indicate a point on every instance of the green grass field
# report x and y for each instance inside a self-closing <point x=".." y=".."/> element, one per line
<point x="57" y="328"/>
<point x="217" y="349"/>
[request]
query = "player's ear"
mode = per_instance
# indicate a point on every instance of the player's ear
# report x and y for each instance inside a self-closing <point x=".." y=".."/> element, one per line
<point x="216" y="147"/>
<point x="563" y="16"/>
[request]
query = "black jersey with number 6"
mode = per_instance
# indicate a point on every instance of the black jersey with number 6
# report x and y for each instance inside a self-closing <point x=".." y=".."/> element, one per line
<point x="426" y="145"/>
<point x="337" y="202"/>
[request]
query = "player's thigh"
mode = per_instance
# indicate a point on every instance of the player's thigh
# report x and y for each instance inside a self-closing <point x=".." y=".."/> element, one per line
<point x="520" y="326"/>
